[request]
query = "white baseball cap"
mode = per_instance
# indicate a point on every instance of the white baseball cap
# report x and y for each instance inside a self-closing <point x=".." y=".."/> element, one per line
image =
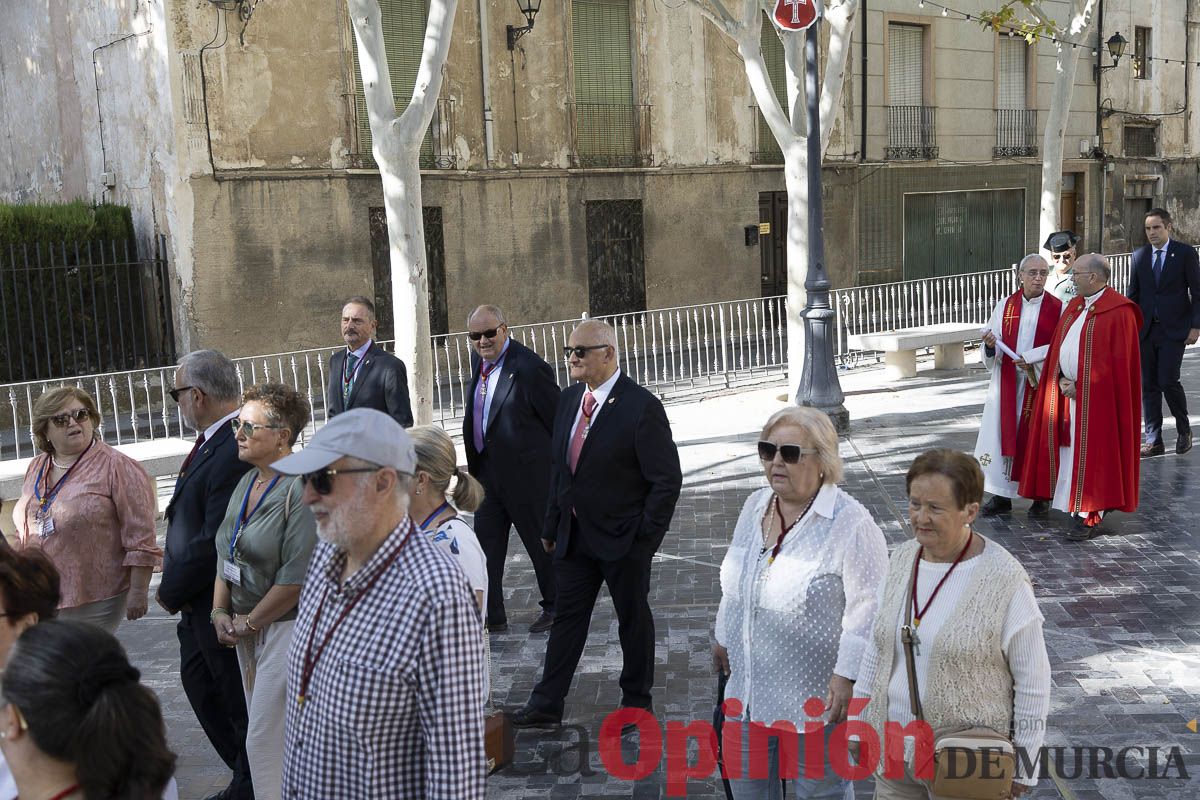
<point x="362" y="433"/>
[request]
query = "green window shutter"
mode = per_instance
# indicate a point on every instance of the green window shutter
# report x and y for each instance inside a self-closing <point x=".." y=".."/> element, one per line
<point x="768" y="151"/>
<point x="403" y="37"/>
<point x="602" y="52"/>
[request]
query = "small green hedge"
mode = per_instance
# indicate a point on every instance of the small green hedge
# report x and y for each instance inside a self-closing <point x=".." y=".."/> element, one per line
<point x="74" y="222"/>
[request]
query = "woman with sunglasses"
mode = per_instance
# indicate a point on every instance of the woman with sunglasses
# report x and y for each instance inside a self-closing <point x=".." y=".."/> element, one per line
<point x="798" y="598"/>
<point x="75" y="722"/>
<point x="91" y="509"/>
<point x="263" y="547"/>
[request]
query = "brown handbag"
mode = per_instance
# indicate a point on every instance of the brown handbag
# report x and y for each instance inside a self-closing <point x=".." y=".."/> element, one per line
<point x="498" y="741"/>
<point x="969" y="763"/>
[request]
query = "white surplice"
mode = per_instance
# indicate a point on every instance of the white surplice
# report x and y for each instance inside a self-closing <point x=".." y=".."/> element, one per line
<point x="996" y="467"/>
<point x="1068" y="365"/>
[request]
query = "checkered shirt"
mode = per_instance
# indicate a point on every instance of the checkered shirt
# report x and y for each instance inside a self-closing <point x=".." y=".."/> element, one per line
<point x="392" y="708"/>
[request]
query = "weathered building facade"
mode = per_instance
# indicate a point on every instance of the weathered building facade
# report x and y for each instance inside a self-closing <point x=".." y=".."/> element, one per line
<point x="612" y="160"/>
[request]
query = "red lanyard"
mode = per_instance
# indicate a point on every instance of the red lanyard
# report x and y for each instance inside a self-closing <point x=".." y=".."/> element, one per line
<point x="784" y="531"/>
<point x="918" y="610"/>
<point x="311" y="658"/>
<point x="67" y="792"/>
<point x="52" y="492"/>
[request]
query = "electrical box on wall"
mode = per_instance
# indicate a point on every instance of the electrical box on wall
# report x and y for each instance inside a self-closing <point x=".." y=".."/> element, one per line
<point x="108" y="179"/>
<point x="751" y="232"/>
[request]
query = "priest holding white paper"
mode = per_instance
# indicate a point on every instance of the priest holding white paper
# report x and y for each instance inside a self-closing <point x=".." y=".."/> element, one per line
<point x="1015" y="342"/>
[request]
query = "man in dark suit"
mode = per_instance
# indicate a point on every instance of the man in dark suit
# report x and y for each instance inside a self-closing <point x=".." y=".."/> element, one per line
<point x="1165" y="281"/>
<point x="207" y="391"/>
<point x="614" y="482"/>
<point x="364" y="375"/>
<point x="506" y="431"/>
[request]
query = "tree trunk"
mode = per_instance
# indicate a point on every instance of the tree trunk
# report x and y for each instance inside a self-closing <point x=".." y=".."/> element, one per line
<point x="396" y="147"/>
<point x="841" y="27"/>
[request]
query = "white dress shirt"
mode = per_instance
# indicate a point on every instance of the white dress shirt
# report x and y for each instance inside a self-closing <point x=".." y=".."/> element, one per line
<point x="601" y="393"/>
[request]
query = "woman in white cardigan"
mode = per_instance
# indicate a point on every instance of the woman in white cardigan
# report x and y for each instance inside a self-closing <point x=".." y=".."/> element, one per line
<point x="980" y="659"/>
<point x="798" y="594"/>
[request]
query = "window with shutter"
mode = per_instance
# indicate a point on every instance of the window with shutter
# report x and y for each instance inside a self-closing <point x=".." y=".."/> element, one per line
<point x="610" y="130"/>
<point x="906" y="65"/>
<point x="767" y="149"/>
<point x="1010" y="89"/>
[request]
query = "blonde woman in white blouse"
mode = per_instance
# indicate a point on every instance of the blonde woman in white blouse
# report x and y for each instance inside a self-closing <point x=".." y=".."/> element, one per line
<point x="798" y="596"/>
<point x="980" y="657"/>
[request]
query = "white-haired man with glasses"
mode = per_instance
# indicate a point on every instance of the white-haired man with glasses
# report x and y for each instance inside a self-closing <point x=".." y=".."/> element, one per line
<point x="387" y="663"/>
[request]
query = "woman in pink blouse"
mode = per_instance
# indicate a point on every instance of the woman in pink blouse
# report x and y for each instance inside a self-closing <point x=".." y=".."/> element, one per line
<point x="91" y="509"/>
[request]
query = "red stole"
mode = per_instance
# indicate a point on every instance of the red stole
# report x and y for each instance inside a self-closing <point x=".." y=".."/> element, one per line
<point x="1014" y="431"/>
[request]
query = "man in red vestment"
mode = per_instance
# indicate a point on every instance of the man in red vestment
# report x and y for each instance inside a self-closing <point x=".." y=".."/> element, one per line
<point x="1086" y="431"/>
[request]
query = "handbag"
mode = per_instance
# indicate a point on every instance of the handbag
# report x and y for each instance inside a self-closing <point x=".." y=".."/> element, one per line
<point x="970" y="763"/>
<point x="498" y="744"/>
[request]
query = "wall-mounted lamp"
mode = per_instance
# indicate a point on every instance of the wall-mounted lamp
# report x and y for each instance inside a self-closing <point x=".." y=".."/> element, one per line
<point x="530" y="9"/>
<point x="1116" y="48"/>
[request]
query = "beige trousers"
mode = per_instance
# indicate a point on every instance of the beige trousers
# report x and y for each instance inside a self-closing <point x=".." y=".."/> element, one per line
<point x="106" y="614"/>
<point x="263" y="660"/>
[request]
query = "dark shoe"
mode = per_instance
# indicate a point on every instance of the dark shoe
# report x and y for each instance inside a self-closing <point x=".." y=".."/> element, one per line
<point x="631" y="727"/>
<point x="543" y="623"/>
<point x="532" y="718"/>
<point x="1155" y="449"/>
<point x="221" y="795"/>
<point x="498" y="627"/>
<point x="1183" y="443"/>
<point x="997" y="505"/>
<point x="1040" y="508"/>
<point x="1080" y="531"/>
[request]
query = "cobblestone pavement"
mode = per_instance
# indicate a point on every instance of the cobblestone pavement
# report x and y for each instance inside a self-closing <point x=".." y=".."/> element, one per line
<point x="1122" y="612"/>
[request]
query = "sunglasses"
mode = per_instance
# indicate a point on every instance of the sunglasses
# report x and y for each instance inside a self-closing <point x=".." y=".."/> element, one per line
<point x="64" y="419"/>
<point x="580" y="350"/>
<point x="249" y="428"/>
<point x="321" y="481"/>
<point x="1060" y="256"/>
<point x="178" y="390"/>
<point x="490" y="333"/>
<point x="791" y="453"/>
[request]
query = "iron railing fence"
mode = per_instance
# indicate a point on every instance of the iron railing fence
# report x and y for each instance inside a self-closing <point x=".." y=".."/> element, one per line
<point x="79" y="308"/>
<point x="1016" y="133"/>
<point x="672" y="351"/>
<point x="912" y="133"/>
<point x="611" y="135"/>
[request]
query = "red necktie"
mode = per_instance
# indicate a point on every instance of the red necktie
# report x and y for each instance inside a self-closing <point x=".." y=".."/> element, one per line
<point x="191" y="455"/>
<point x="585" y="421"/>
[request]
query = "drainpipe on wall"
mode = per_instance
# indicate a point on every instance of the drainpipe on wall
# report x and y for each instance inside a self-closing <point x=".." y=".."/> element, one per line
<point x="862" y="150"/>
<point x="1187" y="77"/>
<point x="485" y="55"/>
<point x="1100" y="50"/>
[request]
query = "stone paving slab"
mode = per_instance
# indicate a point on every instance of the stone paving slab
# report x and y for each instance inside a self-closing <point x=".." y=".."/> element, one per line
<point x="1122" y="612"/>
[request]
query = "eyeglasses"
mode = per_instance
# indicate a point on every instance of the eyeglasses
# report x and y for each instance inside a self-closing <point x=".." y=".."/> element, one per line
<point x="581" y="350"/>
<point x="322" y="480"/>
<point x="64" y="419"/>
<point x="178" y="390"/>
<point x="250" y="427"/>
<point x="1037" y="273"/>
<point x="490" y="333"/>
<point x="791" y="453"/>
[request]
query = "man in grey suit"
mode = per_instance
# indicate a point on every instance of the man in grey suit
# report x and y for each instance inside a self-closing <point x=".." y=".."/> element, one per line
<point x="364" y="375"/>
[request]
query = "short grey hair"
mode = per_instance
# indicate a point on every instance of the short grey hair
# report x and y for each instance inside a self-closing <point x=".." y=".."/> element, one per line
<point x="1029" y="259"/>
<point x="599" y="330"/>
<point x="824" y="437"/>
<point x="1093" y="262"/>
<point x="488" y="309"/>
<point x="212" y="373"/>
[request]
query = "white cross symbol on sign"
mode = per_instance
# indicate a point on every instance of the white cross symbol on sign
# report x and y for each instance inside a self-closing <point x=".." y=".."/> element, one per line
<point x="795" y="4"/>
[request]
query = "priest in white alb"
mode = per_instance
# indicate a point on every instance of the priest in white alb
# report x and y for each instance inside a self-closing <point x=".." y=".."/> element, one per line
<point x="1015" y="342"/>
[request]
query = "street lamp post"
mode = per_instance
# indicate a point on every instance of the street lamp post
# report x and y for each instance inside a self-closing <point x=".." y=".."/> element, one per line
<point x="819" y="385"/>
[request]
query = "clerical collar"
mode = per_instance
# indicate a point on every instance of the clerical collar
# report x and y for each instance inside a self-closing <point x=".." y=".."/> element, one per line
<point x="1033" y="301"/>
<point x="1092" y="298"/>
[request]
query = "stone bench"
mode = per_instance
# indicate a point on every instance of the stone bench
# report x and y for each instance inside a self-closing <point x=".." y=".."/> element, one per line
<point x="900" y="347"/>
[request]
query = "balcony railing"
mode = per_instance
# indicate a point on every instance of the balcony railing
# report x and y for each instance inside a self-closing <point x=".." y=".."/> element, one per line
<point x="912" y="133"/>
<point x="437" y="148"/>
<point x="1016" y="133"/>
<point x="611" y="135"/>
<point x="766" y="148"/>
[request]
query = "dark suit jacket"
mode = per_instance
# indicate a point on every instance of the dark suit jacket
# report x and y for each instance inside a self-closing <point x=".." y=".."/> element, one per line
<point x="1175" y="299"/>
<point x="628" y="478"/>
<point x="520" y="422"/>
<point x="382" y="384"/>
<point x="195" y="512"/>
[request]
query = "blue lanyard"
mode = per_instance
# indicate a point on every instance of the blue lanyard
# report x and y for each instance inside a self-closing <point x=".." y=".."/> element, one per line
<point x="433" y="516"/>
<point x="243" y="518"/>
<point x="51" y="493"/>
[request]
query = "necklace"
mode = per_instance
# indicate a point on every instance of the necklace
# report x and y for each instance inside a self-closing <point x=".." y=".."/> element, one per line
<point x="784" y="530"/>
<point x="59" y="465"/>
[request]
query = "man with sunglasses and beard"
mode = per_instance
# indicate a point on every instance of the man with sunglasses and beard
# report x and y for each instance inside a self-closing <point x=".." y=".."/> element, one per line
<point x="208" y="395"/>
<point x="387" y="663"/>
<point x="506" y="433"/>
<point x="614" y="482"/>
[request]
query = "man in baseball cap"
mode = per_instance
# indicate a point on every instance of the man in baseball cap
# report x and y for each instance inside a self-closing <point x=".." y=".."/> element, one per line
<point x="1061" y="246"/>
<point x="379" y="607"/>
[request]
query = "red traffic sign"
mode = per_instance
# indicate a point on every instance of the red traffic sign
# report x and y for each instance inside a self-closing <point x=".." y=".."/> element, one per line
<point x="794" y="15"/>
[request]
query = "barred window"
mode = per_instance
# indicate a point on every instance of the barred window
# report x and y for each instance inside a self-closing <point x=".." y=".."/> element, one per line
<point x="1141" y="141"/>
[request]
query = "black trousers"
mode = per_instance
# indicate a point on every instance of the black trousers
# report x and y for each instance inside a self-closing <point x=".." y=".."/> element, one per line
<point x="212" y="681"/>
<point x="578" y="576"/>
<point x="494" y="520"/>
<point x="1161" y="360"/>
